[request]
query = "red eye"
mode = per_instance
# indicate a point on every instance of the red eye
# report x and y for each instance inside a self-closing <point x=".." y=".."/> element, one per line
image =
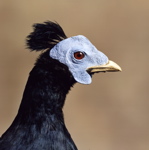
<point x="79" y="55"/>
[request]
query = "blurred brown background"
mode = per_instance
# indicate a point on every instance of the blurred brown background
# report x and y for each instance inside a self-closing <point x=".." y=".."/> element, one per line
<point x="113" y="112"/>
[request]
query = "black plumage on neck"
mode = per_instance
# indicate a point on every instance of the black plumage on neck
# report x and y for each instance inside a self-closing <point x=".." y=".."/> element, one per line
<point x="40" y="118"/>
<point x="48" y="84"/>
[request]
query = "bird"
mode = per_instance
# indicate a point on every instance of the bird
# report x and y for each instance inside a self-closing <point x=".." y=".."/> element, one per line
<point x="63" y="61"/>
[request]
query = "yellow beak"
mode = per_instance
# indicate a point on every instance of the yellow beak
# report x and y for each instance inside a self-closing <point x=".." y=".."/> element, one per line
<point x="109" y="67"/>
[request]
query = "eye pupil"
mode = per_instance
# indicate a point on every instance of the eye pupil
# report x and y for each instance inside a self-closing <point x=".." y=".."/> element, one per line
<point x="79" y="55"/>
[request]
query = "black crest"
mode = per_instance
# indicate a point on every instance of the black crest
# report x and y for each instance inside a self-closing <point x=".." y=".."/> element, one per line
<point x="45" y="35"/>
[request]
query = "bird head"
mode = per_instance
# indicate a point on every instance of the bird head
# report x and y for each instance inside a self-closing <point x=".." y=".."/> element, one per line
<point x="80" y="56"/>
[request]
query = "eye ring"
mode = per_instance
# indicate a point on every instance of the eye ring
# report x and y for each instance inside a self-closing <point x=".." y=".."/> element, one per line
<point x="79" y="55"/>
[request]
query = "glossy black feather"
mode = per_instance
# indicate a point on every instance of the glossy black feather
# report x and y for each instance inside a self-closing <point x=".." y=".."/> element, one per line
<point x="45" y="35"/>
<point x="39" y="124"/>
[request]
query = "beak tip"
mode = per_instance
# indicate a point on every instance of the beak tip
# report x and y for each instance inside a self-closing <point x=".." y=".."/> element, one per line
<point x="120" y="70"/>
<point x="117" y="68"/>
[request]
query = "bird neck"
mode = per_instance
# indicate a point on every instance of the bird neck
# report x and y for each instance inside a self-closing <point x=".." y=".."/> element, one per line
<point x="46" y="89"/>
<point x="40" y="117"/>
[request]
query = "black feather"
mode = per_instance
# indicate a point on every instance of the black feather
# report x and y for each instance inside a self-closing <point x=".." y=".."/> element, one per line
<point x="39" y="124"/>
<point x="45" y="35"/>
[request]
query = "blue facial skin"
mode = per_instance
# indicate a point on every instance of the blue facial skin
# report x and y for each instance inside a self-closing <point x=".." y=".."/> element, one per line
<point x="64" y="53"/>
